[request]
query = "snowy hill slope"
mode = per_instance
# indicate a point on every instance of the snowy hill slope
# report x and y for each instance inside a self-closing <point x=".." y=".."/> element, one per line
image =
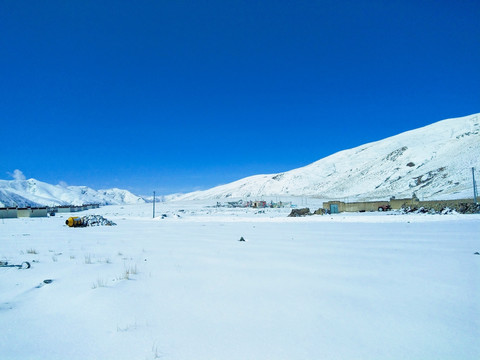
<point x="32" y="192"/>
<point x="434" y="162"/>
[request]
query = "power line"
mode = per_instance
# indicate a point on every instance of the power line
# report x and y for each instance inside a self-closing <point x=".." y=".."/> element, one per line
<point x="474" y="186"/>
<point x="154" y="204"/>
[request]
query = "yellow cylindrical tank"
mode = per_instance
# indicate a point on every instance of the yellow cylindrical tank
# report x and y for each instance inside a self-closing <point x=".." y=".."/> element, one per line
<point x="74" y="221"/>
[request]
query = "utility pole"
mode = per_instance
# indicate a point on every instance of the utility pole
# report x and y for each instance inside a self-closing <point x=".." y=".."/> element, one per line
<point x="474" y="186"/>
<point x="154" y="204"/>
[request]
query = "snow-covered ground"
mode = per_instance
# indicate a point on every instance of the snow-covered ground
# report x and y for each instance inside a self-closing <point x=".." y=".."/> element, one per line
<point x="344" y="286"/>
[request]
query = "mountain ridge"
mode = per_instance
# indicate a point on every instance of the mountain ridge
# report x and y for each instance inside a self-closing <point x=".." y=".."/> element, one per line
<point x="33" y="192"/>
<point x="433" y="161"/>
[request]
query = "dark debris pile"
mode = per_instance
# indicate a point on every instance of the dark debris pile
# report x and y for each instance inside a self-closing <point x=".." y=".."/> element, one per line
<point x="299" y="212"/>
<point x="96" y="220"/>
<point x="463" y="208"/>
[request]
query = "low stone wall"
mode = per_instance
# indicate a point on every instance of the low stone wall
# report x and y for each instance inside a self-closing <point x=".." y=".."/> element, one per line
<point x="397" y="204"/>
<point x="432" y="204"/>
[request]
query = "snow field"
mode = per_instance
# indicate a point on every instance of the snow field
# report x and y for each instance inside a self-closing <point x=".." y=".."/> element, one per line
<point x="333" y="287"/>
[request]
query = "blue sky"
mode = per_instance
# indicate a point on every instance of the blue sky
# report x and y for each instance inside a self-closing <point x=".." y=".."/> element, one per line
<point x="175" y="96"/>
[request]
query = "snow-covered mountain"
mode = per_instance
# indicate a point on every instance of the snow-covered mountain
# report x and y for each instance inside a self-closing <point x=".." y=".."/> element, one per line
<point x="32" y="192"/>
<point x="434" y="162"/>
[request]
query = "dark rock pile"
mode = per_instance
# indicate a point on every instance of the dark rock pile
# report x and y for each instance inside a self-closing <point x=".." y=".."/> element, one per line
<point x="463" y="208"/>
<point x="299" y="212"/>
<point x="96" y="220"/>
<point x="468" y="208"/>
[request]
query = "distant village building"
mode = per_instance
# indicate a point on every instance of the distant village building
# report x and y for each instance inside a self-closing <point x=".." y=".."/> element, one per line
<point x="335" y="207"/>
<point x="23" y="212"/>
<point x="259" y="204"/>
<point x="8" y="212"/>
<point x="32" y="212"/>
<point x="15" y="212"/>
<point x="38" y="212"/>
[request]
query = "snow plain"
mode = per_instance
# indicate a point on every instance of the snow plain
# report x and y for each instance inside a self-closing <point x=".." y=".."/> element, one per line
<point x="344" y="286"/>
